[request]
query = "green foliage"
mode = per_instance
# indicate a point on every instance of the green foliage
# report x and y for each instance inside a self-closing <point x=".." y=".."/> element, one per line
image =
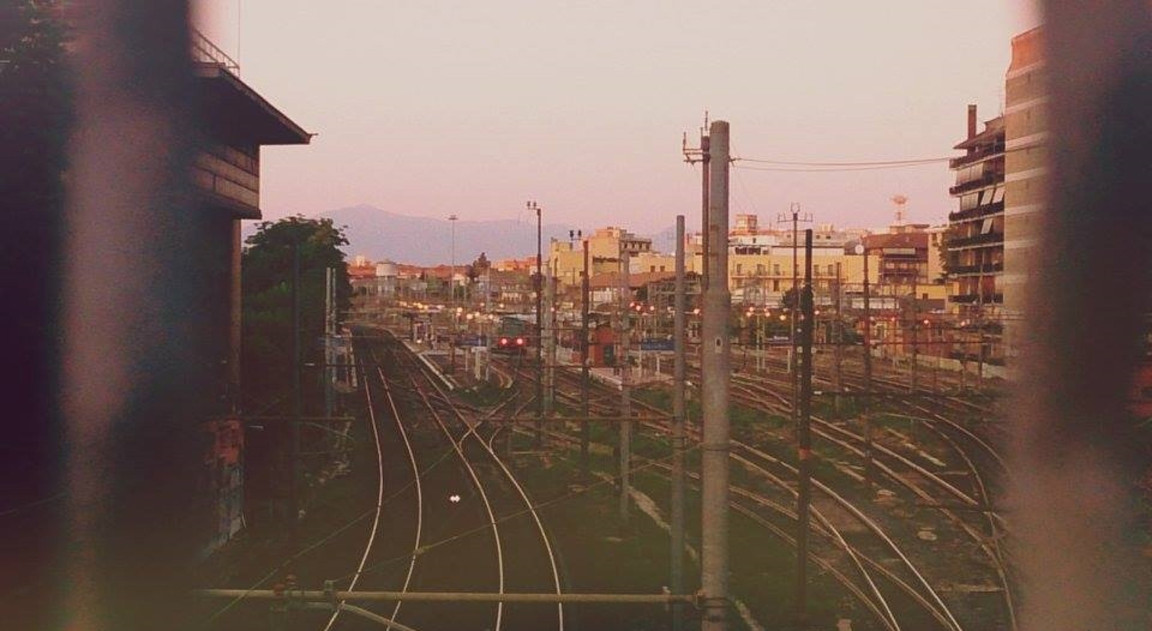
<point x="35" y="122"/>
<point x="36" y="91"/>
<point x="267" y="303"/>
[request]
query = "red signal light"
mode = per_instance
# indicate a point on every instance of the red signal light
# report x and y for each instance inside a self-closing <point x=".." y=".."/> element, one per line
<point x="519" y="341"/>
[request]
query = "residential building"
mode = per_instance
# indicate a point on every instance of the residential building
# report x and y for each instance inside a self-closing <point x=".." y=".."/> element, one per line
<point x="1026" y="157"/>
<point x="975" y="238"/>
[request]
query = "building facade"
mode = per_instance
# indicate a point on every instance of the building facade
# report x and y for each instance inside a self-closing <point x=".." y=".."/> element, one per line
<point x="1026" y="158"/>
<point x="975" y="238"/>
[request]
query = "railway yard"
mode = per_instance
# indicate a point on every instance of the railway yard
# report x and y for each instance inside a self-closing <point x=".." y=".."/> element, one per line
<point x="456" y="496"/>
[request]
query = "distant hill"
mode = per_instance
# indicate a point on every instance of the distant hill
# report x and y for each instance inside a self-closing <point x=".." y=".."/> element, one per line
<point x="379" y="234"/>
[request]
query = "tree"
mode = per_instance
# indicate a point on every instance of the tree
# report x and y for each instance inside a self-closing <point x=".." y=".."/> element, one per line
<point x="788" y="299"/>
<point x="35" y="122"/>
<point x="475" y="270"/>
<point x="267" y="305"/>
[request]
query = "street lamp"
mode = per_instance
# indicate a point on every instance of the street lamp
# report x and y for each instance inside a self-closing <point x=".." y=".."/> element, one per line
<point x="533" y="206"/>
<point x="452" y="299"/>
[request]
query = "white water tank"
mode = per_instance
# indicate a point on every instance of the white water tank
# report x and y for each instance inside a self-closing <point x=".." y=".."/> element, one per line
<point x="386" y="269"/>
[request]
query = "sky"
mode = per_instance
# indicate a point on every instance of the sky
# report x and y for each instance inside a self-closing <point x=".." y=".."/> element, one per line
<point x="473" y="108"/>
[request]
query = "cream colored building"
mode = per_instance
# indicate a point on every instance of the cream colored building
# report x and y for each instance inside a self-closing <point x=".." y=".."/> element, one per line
<point x="566" y="258"/>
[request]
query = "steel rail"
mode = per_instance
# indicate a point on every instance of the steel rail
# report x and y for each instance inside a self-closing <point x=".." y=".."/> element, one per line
<point x="523" y="496"/>
<point x="379" y="501"/>
<point x="479" y="488"/>
<point x="417" y="538"/>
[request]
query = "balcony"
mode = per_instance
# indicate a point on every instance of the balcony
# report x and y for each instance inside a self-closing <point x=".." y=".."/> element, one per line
<point x="979" y="239"/>
<point x="205" y="52"/>
<point x="977" y="212"/>
<point x="989" y="299"/>
<point x="976" y="156"/>
<point x="987" y="179"/>
<point x="967" y="270"/>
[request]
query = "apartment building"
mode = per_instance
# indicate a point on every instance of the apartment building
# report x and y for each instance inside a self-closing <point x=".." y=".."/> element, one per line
<point x="975" y="236"/>
<point x="1026" y="156"/>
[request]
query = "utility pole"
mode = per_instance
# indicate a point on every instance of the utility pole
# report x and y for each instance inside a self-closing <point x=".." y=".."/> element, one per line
<point x="452" y="299"/>
<point x="297" y="397"/>
<point x="585" y="368"/>
<point x="703" y="155"/>
<point x="625" y="388"/>
<point x="715" y="368"/>
<point x="804" y="437"/>
<point x="915" y="308"/>
<point x="794" y="209"/>
<point x="866" y="403"/>
<point x="838" y="348"/>
<point x="539" y="321"/>
<point x="548" y="373"/>
<point x="678" y="438"/>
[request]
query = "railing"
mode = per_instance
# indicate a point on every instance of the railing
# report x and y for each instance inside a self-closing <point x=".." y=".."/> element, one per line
<point x="989" y="299"/>
<point x="977" y="212"/>
<point x="971" y="185"/>
<point x="997" y="149"/>
<point x="979" y="239"/>
<point x="985" y="268"/>
<point x="204" y="51"/>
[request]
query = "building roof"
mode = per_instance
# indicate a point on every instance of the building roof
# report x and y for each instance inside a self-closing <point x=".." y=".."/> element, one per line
<point x="611" y="280"/>
<point x="896" y="240"/>
<point x="240" y="113"/>
<point x="993" y="131"/>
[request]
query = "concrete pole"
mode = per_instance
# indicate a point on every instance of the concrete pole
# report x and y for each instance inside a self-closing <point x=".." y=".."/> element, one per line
<point x="705" y="177"/>
<point x="625" y="389"/>
<point x="804" y="436"/>
<point x="678" y="444"/>
<point x="715" y="367"/>
<point x="585" y="368"/>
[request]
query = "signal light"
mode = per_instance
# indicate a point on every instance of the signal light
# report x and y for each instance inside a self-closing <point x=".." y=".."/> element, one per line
<point x="519" y="341"/>
<point x="503" y="341"/>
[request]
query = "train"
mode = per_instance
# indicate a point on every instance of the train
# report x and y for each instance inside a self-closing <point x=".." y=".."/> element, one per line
<point x="513" y="335"/>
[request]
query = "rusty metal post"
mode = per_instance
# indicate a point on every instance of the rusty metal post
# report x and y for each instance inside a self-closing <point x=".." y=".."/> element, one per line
<point x="804" y="435"/>
<point x="625" y="363"/>
<point x="585" y="368"/>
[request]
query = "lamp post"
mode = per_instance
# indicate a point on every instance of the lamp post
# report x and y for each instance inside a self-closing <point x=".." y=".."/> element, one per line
<point x="533" y="206"/>
<point x="452" y="299"/>
<point x="864" y="414"/>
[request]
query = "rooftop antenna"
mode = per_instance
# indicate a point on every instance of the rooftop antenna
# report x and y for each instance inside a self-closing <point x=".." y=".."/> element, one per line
<point x="900" y="200"/>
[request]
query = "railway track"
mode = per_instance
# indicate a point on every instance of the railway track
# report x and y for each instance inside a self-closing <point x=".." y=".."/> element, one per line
<point x="927" y="597"/>
<point x="509" y="514"/>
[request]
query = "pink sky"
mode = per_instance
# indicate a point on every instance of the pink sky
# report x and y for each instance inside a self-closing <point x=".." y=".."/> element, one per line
<point x="472" y="108"/>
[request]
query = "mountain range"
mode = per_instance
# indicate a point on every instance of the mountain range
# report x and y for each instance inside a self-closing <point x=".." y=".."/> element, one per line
<point x="380" y="234"/>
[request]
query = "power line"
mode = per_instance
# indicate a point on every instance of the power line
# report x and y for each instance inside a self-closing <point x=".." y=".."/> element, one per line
<point x="870" y="163"/>
<point x="876" y="167"/>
